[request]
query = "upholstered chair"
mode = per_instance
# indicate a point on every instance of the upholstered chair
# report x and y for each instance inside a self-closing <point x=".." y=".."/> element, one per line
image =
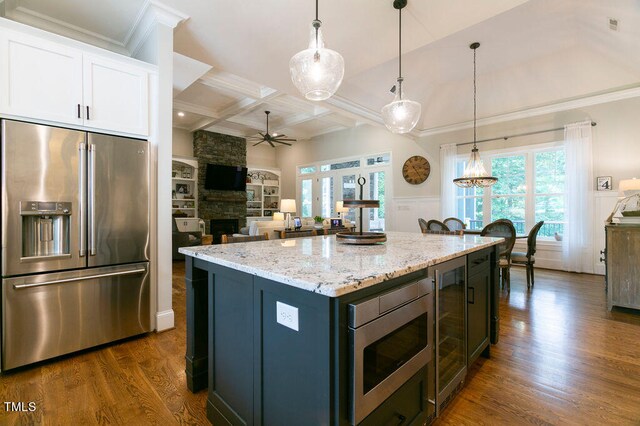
<point x="454" y="224"/>
<point x="436" y="225"/>
<point x="503" y="228"/>
<point x="528" y="258"/>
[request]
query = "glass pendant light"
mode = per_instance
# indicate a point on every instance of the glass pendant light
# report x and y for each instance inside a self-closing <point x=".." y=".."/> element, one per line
<point x="475" y="173"/>
<point x="401" y="115"/>
<point x="317" y="71"/>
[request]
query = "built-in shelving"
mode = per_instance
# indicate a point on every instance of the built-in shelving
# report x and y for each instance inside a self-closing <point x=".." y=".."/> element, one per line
<point x="263" y="192"/>
<point x="184" y="187"/>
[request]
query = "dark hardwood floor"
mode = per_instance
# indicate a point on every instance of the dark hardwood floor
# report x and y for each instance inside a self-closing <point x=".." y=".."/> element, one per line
<point x="562" y="359"/>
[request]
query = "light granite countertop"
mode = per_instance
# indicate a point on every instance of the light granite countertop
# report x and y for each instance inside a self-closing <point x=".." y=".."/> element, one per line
<point x="322" y="265"/>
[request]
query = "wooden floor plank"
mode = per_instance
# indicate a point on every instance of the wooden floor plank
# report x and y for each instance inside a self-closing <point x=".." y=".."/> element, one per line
<point x="562" y="359"/>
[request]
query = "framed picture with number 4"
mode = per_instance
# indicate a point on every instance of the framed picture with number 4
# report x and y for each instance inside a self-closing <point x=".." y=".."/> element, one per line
<point x="604" y="183"/>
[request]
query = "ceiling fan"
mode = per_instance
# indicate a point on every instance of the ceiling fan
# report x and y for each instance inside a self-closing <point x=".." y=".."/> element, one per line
<point x="270" y="138"/>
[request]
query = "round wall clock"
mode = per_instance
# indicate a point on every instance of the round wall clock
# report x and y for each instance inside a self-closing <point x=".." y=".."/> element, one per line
<point x="416" y="170"/>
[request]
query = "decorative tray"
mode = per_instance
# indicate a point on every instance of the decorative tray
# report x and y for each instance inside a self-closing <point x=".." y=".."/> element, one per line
<point x="361" y="238"/>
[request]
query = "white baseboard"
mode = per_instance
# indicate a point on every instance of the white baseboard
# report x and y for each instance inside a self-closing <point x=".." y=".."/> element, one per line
<point x="165" y="320"/>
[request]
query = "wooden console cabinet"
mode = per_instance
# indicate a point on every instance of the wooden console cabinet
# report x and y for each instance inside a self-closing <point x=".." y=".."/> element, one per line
<point x="623" y="268"/>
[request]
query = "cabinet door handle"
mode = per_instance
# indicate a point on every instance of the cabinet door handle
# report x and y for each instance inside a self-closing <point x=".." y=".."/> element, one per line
<point x="79" y="111"/>
<point x="472" y="291"/>
<point x="88" y="118"/>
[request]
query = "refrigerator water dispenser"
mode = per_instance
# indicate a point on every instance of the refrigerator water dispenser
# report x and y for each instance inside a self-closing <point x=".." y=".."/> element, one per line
<point x="45" y="229"/>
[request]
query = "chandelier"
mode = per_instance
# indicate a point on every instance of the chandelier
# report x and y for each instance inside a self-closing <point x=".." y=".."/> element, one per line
<point x="474" y="172"/>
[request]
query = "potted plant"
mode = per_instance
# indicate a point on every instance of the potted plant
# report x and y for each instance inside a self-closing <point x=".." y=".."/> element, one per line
<point x="318" y="222"/>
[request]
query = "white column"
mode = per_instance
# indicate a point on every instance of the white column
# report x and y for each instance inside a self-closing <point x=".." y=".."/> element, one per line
<point x="153" y="42"/>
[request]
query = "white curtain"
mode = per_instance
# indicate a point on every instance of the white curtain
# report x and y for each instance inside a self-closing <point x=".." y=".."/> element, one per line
<point x="448" y="154"/>
<point x="576" y="240"/>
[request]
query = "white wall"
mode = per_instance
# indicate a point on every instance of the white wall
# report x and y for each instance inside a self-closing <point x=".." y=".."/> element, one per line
<point x="616" y="153"/>
<point x="182" y="143"/>
<point x="261" y="155"/>
<point x="364" y="140"/>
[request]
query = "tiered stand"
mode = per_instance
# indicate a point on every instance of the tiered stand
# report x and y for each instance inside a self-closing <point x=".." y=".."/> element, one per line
<point x="360" y="237"/>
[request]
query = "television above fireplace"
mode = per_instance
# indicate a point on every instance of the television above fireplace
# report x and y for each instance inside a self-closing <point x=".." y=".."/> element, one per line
<point x="226" y="178"/>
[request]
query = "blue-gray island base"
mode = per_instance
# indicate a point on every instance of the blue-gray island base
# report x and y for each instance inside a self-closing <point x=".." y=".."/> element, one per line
<point x="268" y="324"/>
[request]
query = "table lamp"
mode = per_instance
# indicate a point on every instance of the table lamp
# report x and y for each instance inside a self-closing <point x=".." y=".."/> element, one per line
<point x="340" y="209"/>
<point x="627" y="189"/>
<point x="278" y="216"/>
<point x="288" y="206"/>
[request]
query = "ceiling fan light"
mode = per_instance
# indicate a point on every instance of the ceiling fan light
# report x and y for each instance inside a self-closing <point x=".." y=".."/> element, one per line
<point x="317" y="72"/>
<point x="401" y="115"/>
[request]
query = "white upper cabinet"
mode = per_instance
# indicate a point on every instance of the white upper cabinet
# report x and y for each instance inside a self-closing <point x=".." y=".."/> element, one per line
<point x="44" y="80"/>
<point x="115" y="96"/>
<point x="40" y="79"/>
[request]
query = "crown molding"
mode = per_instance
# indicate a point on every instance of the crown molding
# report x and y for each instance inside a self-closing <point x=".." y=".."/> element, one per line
<point x="32" y="18"/>
<point x="590" y="100"/>
<point x="153" y="13"/>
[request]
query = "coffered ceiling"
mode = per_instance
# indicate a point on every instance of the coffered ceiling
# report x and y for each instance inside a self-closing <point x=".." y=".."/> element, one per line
<point x="231" y="61"/>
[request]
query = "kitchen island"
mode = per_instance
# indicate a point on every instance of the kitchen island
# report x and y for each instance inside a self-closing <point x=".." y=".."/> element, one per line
<point x="273" y="326"/>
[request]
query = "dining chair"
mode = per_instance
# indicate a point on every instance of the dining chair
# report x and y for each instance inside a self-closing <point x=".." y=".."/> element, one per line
<point x="454" y="224"/>
<point x="423" y="224"/>
<point x="228" y="239"/>
<point x="436" y="225"/>
<point x="528" y="258"/>
<point x="502" y="228"/>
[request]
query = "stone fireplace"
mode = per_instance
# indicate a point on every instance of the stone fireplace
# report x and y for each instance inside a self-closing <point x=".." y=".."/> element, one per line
<point x="219" y="227"/>
<point x="216" y="205"/>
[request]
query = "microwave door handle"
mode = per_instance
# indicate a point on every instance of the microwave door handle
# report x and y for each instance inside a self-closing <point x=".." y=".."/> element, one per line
<point x="92" y="200"/>
<point x="81" y="211"/>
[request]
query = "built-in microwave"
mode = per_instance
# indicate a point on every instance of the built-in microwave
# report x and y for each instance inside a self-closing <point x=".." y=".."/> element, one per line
<point x="391" y="339"/>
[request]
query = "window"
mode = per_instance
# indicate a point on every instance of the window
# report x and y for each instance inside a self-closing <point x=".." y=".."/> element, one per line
<point x="549" y="192"/>
<point x="509" y="193"/>
<point x="338" y="166"/>
<point x="530" y="188"/>
<point x="307" y="170"/>
<point x="307" y="197"/>
<point x="379" y="159"/>
<point x="469" y="202"/>
<point x="321" y="185"/>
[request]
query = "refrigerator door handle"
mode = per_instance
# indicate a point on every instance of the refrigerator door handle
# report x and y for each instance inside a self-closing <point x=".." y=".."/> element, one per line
<point x="83" y="278"/>
<point x="92" y="200"/>
<point x="81" y="213"/>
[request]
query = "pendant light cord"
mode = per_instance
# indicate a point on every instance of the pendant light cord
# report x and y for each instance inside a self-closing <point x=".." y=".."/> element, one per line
<point x="316" y="26"/>
<point x="474" y="98"/>
<point x="399" y="43"/>
<point x="400" y="53"/>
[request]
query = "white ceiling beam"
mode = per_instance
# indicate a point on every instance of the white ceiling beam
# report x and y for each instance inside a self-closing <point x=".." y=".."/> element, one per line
<point x="195" y="109"/>
<point x="221" y="80"/>
<point x="361" y="114"/>
<point x="203" y="124"/>
<point x="245" y="105"/>
<point x="225" y="131"/>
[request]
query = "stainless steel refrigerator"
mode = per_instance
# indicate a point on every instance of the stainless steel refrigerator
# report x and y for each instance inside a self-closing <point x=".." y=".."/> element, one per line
<point x="75" y="241"/>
